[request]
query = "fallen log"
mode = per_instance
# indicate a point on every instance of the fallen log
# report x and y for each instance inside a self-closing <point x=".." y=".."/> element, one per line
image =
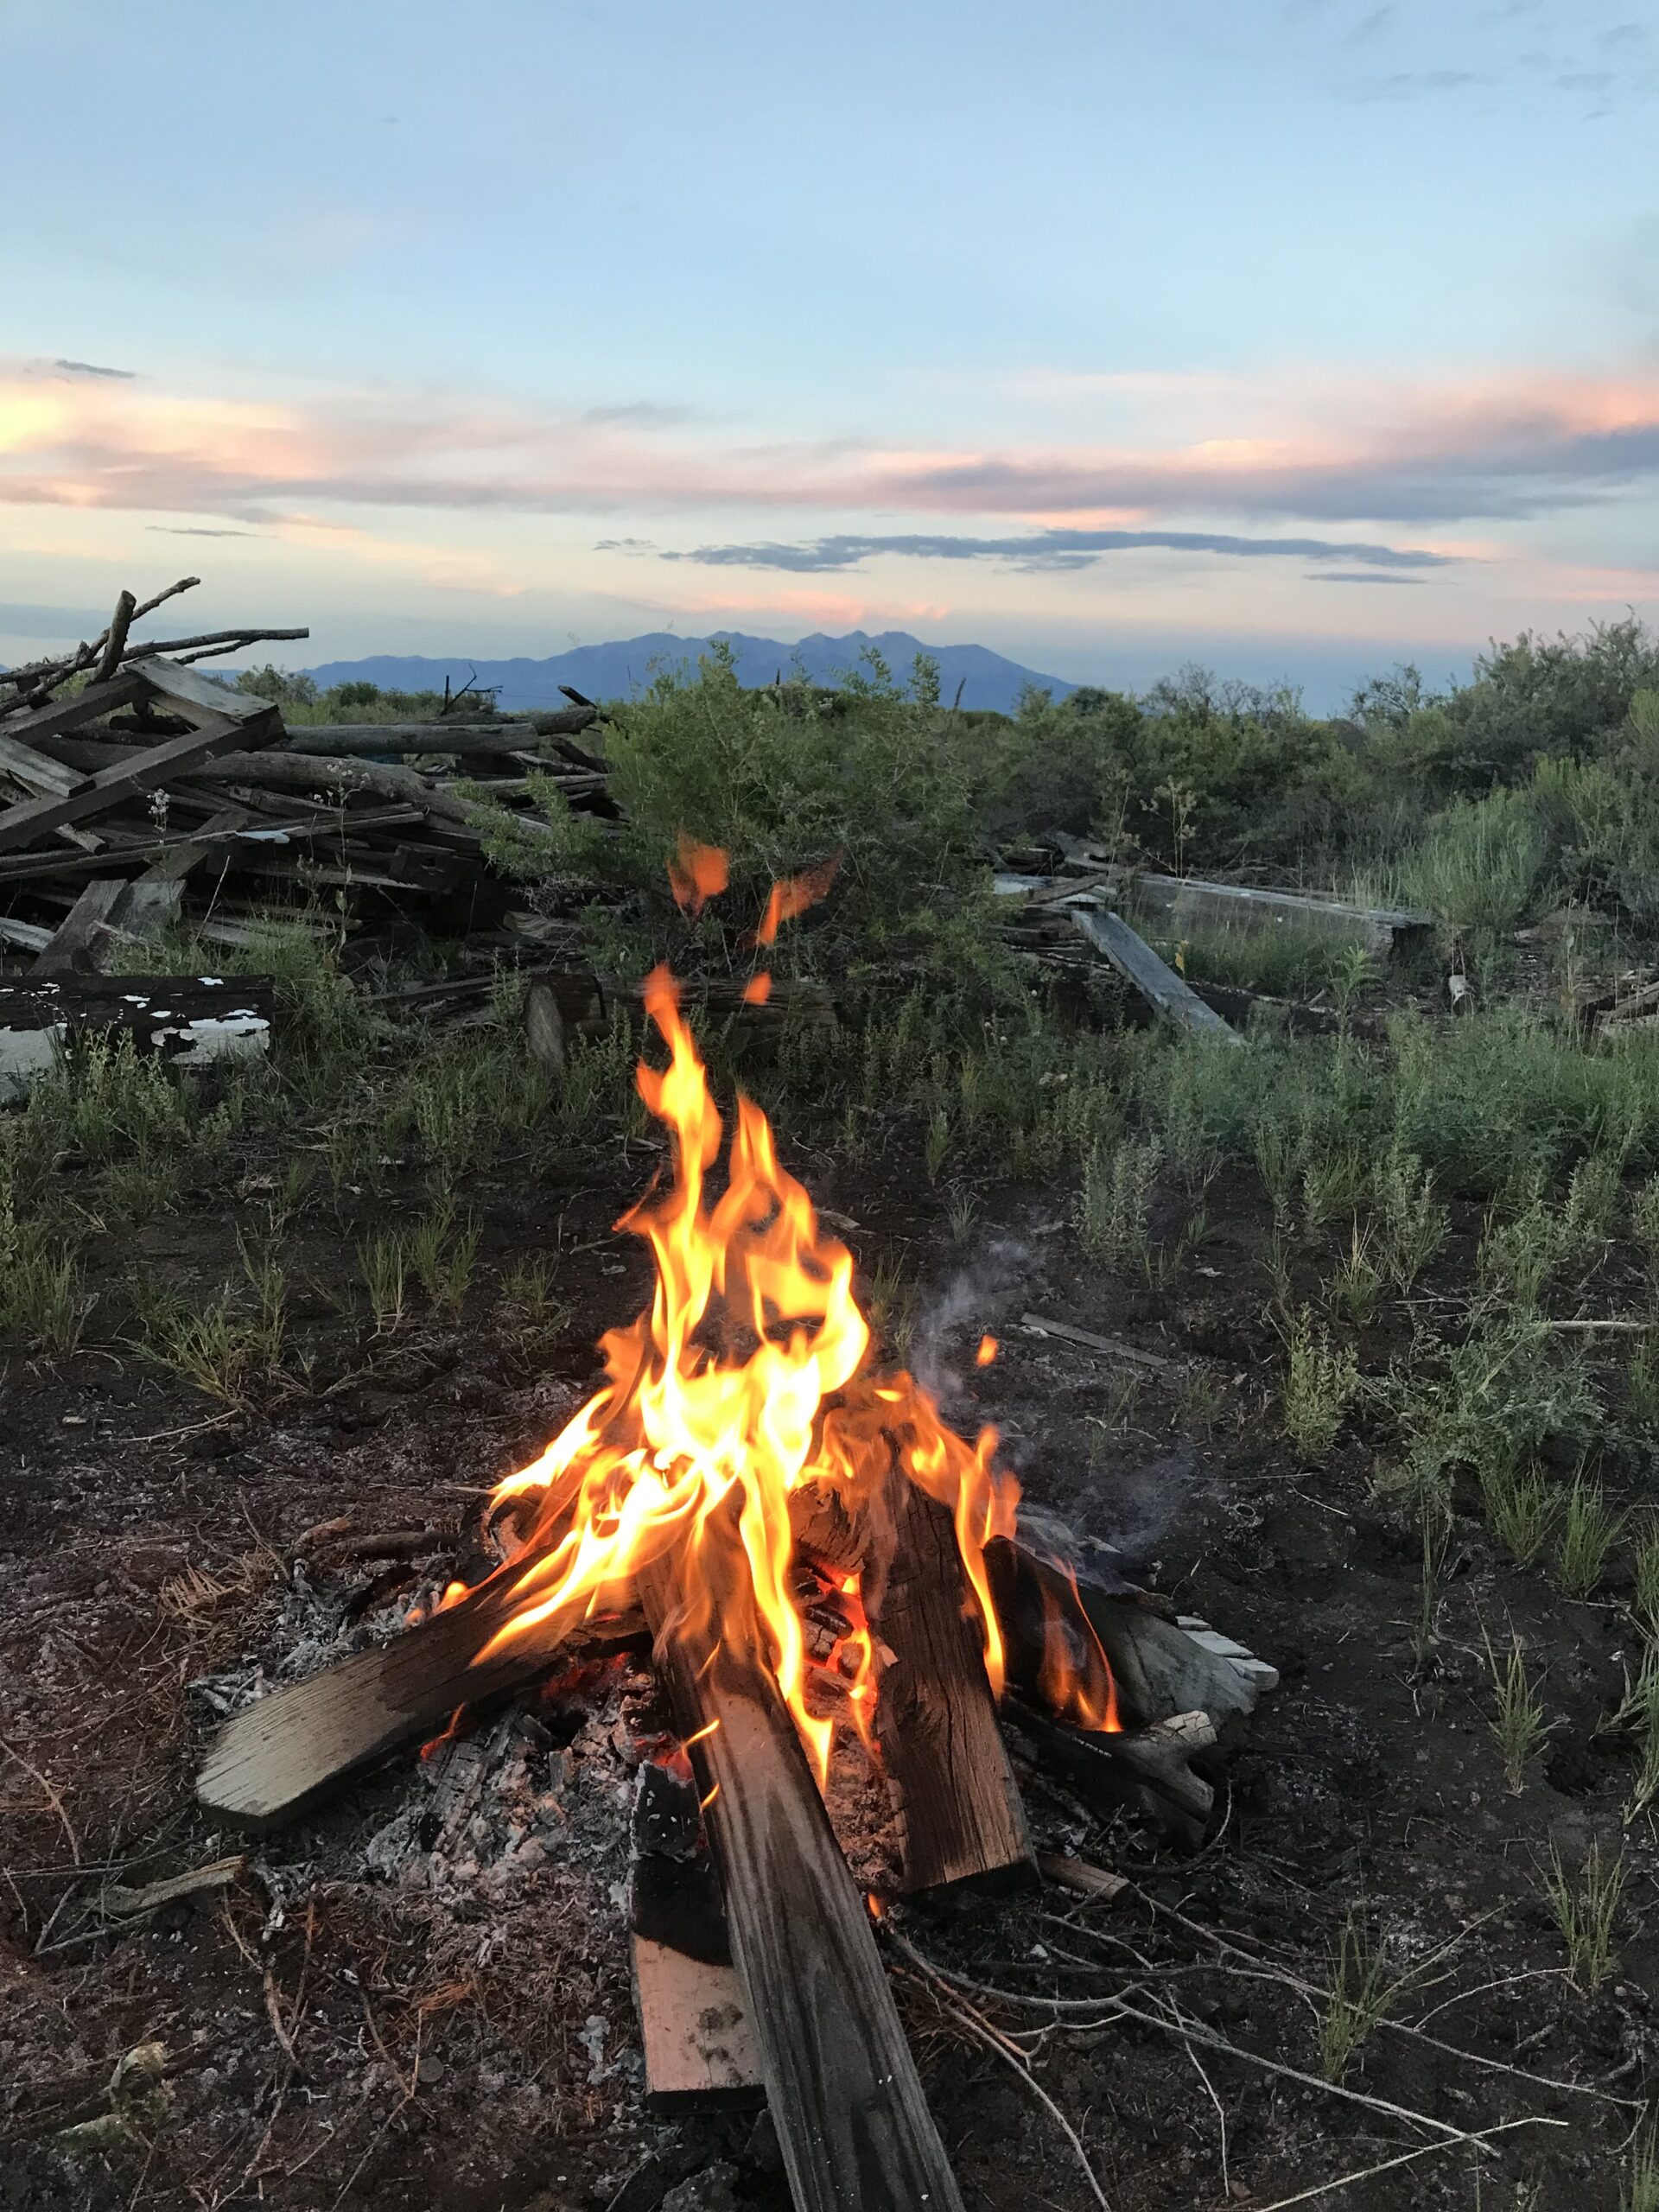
<point x="339" y="739"/>
<point x="1159" y="984"/>
<point x="841" y="2087"/>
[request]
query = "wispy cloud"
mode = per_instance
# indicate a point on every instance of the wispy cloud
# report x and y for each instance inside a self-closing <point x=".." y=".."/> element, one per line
<point x="1324" y="451"/>
<point x="91" y="369"/>
<point x="1048" y="549"/>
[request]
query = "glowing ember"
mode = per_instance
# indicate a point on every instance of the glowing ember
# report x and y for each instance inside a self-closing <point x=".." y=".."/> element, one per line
<point x="987" y="1352"/>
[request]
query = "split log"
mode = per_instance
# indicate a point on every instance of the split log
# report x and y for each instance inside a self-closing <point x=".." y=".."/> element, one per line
<point x="1158" y="984"/>
<point x="959" y="1810"/>
<point x="1145" y="1767"/>
<point x="699" y="2045"/>
<point x="191" y="1020"/>
<point x="846" y="2102"/>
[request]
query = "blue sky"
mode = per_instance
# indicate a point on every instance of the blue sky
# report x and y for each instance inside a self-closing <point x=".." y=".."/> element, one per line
<point x="1291" y="338"/>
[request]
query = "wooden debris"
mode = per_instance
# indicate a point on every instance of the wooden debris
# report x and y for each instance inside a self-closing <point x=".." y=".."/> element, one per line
<point x="699" y="2047"/>
<point x="1078" y="1875"/>
<point x="958" y="1805"/>
<point x="1185" y="899"/>
<point x="124" y="1904"/>
<point x="1112" y="1347"/>
<point x="1159" y="984"/>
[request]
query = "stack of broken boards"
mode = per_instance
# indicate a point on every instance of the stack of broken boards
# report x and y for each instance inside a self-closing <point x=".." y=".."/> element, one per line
<point x="755" y="1958"/>
<point x="158" y="792"/>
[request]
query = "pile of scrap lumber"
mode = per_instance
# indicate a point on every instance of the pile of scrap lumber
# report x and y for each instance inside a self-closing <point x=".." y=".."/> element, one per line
<point x="134" y="789"/>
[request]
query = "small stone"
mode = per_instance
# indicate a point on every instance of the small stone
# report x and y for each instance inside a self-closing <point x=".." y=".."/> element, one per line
<point x="431" y="2069"/>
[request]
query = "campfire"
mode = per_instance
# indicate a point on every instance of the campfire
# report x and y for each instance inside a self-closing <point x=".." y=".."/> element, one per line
<point x="821" y="1565"/>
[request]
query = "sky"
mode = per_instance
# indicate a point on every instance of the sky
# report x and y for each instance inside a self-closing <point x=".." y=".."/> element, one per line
<point x="1294" y="338"/>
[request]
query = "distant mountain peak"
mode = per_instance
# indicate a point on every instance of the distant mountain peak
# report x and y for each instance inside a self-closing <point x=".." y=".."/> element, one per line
<point x="621" y="670"/>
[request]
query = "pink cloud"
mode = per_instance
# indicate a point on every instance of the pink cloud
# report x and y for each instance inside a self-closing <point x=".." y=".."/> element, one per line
<point x="1490" y="449"/>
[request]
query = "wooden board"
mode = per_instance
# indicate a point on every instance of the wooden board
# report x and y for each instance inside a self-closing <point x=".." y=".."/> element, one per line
<point x="268" y="1764"/>
<point x="69" y="714"/>
<point x="959" y="1809"/>
<point x="699" y="2046"/>
<point x="1159" y="984"/>
<point x="845" y="2098"/>
<point x="76" y="941"/>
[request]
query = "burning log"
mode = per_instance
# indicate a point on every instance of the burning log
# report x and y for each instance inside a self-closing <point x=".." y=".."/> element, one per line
<point x="958" y="1804"/>
<point x="845" y="2101"/>
<point x="268" y="1764"/>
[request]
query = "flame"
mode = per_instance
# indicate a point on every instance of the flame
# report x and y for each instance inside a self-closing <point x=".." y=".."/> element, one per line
<point x="1075" y="1681"/>
<point x="697" y="875"/>
<point x="749" y="1378"/>
<point x="758" y="989"/>
<point x="792" y="894"/>
<point x="986" y="1352"/>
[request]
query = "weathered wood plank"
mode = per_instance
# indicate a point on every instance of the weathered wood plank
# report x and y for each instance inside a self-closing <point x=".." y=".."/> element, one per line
<point x="1158" y="984"/>
<point x="74" y="942"/>
<point x="845" y="2098"/>
<point x="699" y="2046"/>
<point x="959" y="1808"/>
<point x="268" y="1764"/>
<point x="69" y="714"/>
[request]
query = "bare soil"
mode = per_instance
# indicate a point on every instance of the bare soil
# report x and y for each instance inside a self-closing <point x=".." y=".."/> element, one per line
<point x="420" y="1995"/>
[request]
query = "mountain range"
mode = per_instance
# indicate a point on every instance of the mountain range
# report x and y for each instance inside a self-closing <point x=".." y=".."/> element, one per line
<point x="618" y="670"/>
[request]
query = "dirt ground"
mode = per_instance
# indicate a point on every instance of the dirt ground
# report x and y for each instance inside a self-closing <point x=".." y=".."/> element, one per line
<point x="394" y="2006"/>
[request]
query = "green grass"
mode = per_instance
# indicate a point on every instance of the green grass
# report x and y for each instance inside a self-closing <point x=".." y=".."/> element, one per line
<point x="1361" y="1990"/>
<point x="1590" y="1527"/>
<point x="227" y="1346"/>
<point x="1585" y="1910"/>
<point x="1519" y="1722"/>
<point x="1321" y="1382"/>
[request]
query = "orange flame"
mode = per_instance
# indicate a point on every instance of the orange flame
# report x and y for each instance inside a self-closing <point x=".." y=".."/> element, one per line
<point x="792" y="894"/>
<point x="987" y="1352"/>
<point x="749" y="1378"/>
<point x="697" y="874"/>
<point x="758" y="989"/>
<point x="1075" y="1681"/>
